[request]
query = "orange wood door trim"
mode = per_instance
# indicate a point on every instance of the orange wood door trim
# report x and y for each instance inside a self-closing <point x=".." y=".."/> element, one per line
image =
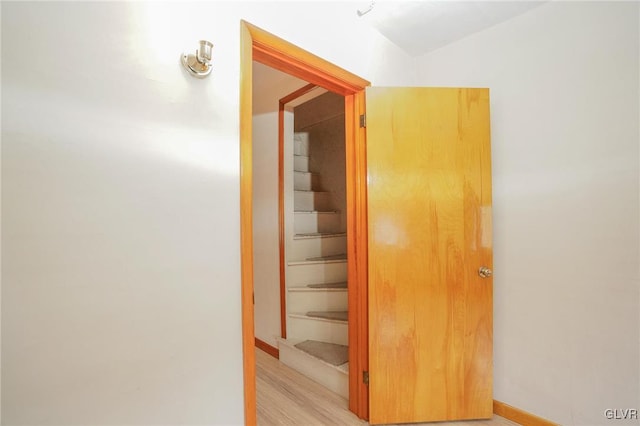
<point x="277" y="53"/>
<point x="263" y="47"/>
<point x="271" y="350"/>
<point x="281" y="213"/>
<point x="356" y="171"/>
<point x="519" y="416"/>
<point x="246" y="226"/>
<point x="296" y="94"/>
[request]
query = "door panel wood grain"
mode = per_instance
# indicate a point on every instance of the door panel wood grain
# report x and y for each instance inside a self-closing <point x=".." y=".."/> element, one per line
<point x="429" y="215"/>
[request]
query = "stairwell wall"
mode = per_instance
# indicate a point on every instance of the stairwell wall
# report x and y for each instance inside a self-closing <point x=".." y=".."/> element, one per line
<point x="323" y="119"/>
<point x="270" y="86"/>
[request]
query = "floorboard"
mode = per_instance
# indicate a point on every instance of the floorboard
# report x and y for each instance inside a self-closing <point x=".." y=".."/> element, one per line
<point x="286" y="397"/>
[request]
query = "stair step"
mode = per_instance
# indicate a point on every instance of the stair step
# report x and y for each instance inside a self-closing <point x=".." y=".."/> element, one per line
<point x="308" y="272"/>
<point x="319" y="235"/>
<point x="311" y="200"/>
<point x="342" y="316"/>
<point x="300" y="163"/>
<point x="339" y="258"/>
<point x="342" y="285"/>
<point x="301" y="137"/>
<point x="301" y="144"/>
<point x="331" y="353"/>
<point x="305" y="181"/>
<point x="304" y="211"/>
<point x="317" y="300"/>
<point x="303" y="327"/>
<point x="339" y="317"/>
<point x="312" y="212"/>
<point x="317" y="221"/>
<point x="315" y="317"/>
<point x="335" y="378"/>
<point x="321" y="287"/>
<point x="316" y="244"/>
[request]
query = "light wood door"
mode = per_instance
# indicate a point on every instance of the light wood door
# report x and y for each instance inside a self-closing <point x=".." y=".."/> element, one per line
<point x="429" y="198"/>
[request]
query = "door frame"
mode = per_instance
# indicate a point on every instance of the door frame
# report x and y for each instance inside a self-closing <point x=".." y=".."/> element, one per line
<point x="268" y="49"/>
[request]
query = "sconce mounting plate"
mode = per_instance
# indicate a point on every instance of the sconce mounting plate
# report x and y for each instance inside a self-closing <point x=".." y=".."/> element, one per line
<point x="199" y="64"/>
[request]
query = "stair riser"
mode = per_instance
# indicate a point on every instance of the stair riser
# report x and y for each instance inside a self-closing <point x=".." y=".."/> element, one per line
<point x="324" y="331"/>
<point x="305" y="301"/>
<point x="301" y="164"/>
<point x="301" y="145"/>
<point x="301" y="136"/>
<point x="317" y="222"/>
<point x="312" y="247"/>
<point x="305" y="181"/>
<point x="299" y="275"/>
<point x="316" y="370"/>
<point x="309" y="201"/>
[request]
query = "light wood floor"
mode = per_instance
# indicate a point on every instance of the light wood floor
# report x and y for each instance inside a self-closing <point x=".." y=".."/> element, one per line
<point x="286" y="397"/>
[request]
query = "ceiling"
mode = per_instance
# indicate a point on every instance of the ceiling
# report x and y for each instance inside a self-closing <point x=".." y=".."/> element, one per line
<point x="419" y="27"/>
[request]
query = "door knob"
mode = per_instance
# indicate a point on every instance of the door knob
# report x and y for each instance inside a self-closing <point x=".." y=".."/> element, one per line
<point x="485" y="272"/>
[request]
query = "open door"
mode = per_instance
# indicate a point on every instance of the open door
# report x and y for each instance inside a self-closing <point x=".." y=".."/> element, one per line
<point x="430" y="254"/>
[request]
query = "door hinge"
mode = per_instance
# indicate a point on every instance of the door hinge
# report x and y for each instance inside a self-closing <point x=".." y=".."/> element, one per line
<point x="365" y="377"/>
<point x="363" y="120"/>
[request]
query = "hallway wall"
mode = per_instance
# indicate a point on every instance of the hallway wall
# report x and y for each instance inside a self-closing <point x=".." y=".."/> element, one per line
<point x="120" y="203"/>
<point x="564" y="82"/>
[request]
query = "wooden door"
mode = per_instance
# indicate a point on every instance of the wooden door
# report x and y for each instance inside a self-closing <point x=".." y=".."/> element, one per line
<point x="429" y="198"/>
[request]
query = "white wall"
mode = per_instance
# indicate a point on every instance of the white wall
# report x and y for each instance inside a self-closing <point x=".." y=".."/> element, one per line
<point x="564" y="90"/>
<point x="120" y="203"/>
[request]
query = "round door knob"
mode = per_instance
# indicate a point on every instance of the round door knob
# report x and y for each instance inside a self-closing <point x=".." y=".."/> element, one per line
<point x="485" y="272"/>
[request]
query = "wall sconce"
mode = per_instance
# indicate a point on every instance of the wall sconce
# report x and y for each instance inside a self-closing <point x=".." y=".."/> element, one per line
<point x="199" y="65"/>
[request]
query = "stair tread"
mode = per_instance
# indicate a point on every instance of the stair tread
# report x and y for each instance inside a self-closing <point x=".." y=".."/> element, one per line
<point x="319" y="235"/>
<point x="309" y="190"/>
<point x="316" y="212"/>
<point x="338" y="317"/>
<point x="330" y="315"/>
<point x="333" y="377"/>
<point x="340" y="286"/>
<point x="335" y="258"/>
<point x="331" y="353"/>
<point x="316" y="261"/>
<point x="298" y="155"/>
<point x="291" y="343"/>
<point x="341" y="256"/>
<point x="328" y="285"/>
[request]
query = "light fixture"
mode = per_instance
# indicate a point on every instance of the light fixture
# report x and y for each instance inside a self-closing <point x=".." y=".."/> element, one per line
<point x="199" y="65"/>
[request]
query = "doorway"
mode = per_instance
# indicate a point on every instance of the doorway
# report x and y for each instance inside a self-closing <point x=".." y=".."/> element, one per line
<point x="442" y="135"/>
<point x="269" y="50"/>
<point x="300" y="232"/>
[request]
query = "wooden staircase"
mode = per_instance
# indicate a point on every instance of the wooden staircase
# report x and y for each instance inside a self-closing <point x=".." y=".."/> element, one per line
<point x="316" y="278"/>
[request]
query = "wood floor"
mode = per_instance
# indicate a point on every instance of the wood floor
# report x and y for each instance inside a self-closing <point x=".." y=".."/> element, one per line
<point x="285" y="397"/>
